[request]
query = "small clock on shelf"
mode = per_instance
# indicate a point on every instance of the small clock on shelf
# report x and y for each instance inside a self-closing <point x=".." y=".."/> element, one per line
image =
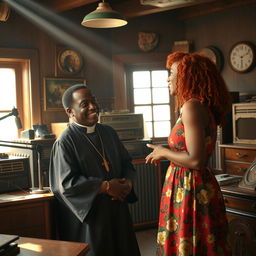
<point x="242" y="57"/>
<point x="214" y="54"/>
<point x="69" y="62"/>
<point x="249" y="178"/>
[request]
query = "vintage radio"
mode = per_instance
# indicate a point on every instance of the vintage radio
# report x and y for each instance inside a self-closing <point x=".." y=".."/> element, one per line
<point x="137" y="148"/>
<point x="244" y="123"/>
<point x="128" y="126"/>
<point x="14" y="174"/>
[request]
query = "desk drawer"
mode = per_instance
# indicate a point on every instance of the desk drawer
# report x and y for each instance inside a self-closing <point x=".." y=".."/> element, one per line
<point x="243" y="155"/>
<point x="244" y="205"/>
<point x="236" y="168"/>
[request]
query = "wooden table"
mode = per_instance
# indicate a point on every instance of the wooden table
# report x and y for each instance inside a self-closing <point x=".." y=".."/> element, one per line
<point x="44" y="247"/>
<point x="27" y="215"/>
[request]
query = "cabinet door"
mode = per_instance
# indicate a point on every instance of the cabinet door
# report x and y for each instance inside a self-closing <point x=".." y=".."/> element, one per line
<point x="236" y="168"/>
<point x="242" y="235"/>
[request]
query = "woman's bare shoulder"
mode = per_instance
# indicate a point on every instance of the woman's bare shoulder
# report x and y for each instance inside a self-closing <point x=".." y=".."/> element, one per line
<point x="192" y="105"/>
<point x="193" y="109"/>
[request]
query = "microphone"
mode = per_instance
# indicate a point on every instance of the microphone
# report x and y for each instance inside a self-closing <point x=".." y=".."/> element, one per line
<point x="15" y="112"/>
<point x="18" y="122"/>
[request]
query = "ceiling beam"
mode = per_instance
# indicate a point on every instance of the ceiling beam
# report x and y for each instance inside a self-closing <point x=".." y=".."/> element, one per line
<point x="65" y="5"/>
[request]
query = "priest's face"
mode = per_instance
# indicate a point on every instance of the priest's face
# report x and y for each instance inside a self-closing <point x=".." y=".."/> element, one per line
<point x="84" y="108"/>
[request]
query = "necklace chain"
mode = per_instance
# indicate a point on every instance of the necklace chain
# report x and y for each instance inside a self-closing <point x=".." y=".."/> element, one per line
<point x="105" y="162"/>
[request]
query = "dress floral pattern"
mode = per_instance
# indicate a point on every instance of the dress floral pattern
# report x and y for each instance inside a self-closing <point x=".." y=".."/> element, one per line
<point x="192" y="219"/>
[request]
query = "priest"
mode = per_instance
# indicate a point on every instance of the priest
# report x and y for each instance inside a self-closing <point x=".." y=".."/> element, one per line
<point x="91" y="175"/>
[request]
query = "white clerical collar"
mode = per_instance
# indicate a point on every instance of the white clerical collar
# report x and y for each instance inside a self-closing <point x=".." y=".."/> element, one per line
<point x="89" y="129"/>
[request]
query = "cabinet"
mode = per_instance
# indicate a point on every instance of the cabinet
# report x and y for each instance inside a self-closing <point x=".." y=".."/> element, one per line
<point x="240" y="203"/>
<point x="27" y="214"/>
<point x="236" y="158"/>
<point x="241" y="214"/>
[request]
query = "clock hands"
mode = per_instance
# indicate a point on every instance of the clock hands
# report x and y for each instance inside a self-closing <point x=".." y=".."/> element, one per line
<point x="245" y="54"/>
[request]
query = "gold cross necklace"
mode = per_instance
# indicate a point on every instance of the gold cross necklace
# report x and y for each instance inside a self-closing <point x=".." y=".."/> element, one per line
<point x="105" y="162"/>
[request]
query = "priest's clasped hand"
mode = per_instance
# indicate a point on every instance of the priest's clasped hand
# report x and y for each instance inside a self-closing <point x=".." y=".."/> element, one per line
<point x="119" y="188"/>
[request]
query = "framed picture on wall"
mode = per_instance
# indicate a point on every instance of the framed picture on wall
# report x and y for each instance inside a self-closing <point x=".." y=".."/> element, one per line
<point x="54" y="89"/>
<point x="69" y="62"/>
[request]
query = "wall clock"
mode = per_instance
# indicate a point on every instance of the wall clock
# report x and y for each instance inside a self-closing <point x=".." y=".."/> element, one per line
<point x="69" y="62"/>
<point x="214" y="54"/>
<point x="242" y="57"/>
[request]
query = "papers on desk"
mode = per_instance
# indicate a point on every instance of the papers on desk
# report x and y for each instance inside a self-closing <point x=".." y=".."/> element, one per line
<point x="8" y="246"/>
<point x="227" y="179"/>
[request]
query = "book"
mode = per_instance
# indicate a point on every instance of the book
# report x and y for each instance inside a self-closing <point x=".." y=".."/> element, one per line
<point x="8" y="246"/>
<point x="5" y="240"/>
<point x="11" y="249"/>
<point x="227" y="179"/>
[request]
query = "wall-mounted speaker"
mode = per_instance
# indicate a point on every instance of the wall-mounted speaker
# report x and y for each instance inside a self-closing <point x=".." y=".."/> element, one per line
<point x="4" y="11"/>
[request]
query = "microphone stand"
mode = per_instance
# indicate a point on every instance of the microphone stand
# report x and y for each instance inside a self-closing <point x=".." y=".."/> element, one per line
<point x="40" y="189"/>
<point x="3" y="117"/>
<point x="15" y="113"/>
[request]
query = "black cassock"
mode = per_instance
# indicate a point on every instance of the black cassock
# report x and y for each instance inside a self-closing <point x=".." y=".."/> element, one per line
<point x="76" y="172"/>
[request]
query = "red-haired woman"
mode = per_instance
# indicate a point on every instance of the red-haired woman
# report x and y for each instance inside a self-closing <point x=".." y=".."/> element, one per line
<point x="192" y="217"/>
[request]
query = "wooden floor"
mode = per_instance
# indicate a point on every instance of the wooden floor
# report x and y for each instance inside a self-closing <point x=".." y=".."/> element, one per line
<point x="147" y="241"/>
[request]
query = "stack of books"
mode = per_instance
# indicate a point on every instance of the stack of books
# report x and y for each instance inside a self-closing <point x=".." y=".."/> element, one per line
<point x="8" y="246"/>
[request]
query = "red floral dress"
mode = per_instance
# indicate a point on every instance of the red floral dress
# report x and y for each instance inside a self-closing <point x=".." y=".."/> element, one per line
<point x="192" y="217"/>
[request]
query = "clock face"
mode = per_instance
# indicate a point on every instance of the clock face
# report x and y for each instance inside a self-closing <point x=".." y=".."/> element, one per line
<point x="70" y="61"/>
<point x="242" y="57"/>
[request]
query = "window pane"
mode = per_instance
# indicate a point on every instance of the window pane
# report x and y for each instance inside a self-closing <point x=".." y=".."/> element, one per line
<point x="159" y="78"/>
<point x="8" y="88"/>
<point x="161" y="112"/>
<point x="162" y="129"/>
<point x="149" y="130"/>
<point x="142" y="96"/>
<point x="160" y="95"/>
<point x="141" y="79"/>
<point x="146" y="111"/>
<point x="8" y="129"/>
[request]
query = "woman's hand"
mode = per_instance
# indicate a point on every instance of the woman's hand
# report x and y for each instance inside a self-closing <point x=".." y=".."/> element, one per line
<point x="157" y="154"/>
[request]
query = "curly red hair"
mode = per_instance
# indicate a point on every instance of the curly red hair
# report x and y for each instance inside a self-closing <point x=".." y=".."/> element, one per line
<point x="198" y="77"/>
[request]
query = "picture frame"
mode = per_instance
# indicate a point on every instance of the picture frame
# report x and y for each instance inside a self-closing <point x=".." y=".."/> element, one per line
<point x="68" y="62"/>
<point x="54" y="89"/>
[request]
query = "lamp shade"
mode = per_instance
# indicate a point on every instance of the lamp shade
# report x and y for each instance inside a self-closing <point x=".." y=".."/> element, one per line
<point x="104" y="17"/>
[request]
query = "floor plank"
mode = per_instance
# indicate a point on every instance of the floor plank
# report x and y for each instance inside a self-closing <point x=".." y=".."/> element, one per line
<point x="147" y="241"/>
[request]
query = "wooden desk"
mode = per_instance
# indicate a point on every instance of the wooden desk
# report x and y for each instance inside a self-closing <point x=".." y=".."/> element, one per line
<point x="25" y="214"/>
<point x="43" y="247"/>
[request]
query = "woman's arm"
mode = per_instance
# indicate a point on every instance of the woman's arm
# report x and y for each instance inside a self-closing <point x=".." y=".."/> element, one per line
<point x="195" y="119"/>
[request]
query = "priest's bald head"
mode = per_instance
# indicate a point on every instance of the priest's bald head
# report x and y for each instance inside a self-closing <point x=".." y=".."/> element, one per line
<point x="80" y="105"/>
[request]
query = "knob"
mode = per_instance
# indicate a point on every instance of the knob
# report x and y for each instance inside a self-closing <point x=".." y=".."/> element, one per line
<point x="241" y="155"/>
<point x="239" y="233"/>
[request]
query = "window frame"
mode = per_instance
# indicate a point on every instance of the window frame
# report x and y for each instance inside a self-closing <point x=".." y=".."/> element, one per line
<point x="19" y="94"/>
<point x="131" y="106"/>
<point x="122" y="64"/>
<point x="28" y="104"/>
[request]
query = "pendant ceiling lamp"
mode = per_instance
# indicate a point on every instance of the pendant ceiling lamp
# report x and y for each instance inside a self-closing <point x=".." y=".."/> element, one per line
<point x="104" y="17"/>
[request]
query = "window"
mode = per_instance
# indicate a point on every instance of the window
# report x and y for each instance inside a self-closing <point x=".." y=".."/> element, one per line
<point x="8" y="100"/>
<point x="151" y="98"/>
